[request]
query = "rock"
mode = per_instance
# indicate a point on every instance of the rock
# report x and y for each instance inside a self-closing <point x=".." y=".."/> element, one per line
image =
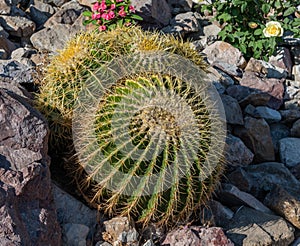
<point x="236" y="153"/>
<point x="232" y="109"/>
<point x="284" y="204"/>
<point x="229" y="69"/>
<point x="119" y="230"/>
<point x="63" y="16"/>
<point x="209" y="33"/>
<point x="40" y="12"/>
<point x="282" y="59"/>
<point x="51" y="39"/>
<point x="296" y="72"/>
<point x="238" y="92"/>
<point x="5" y="8"/>
<point x="7" y="46"/>
<point x="296" y="242"/>
<point x="19" y="53"/>
<point x="274" y="87"/>
<point x="252" y="227"/>
<point x="17" y="25"/>
<point x="270" y="115"/>
<point x="27" y="214"/>
<point x="75" y="234"/>
<point x="71" y="210"/>
<point x="232" y="196"/>
<point x="16" y="71"/>
<point x="103" y="244"/>
<point x="9" y="85"/>
<point x="257" y="137"/>
<point x="290" y="115"/>
<point x="295" y="130"/>
<point x="224" y="52"/>
<point x="289" y="151"/>
<point x="227" y="80"/>
<point x="278" y="131"/>
<point x="265" y="69"/>
<point x="161" y="11"/>
<point x="240" y="179"/>
<point x="180" y="6"/>
<point x="196" y="235"/>
<point x="183" y="23"/>
<point x="144" y="9"/>
<point x="216" y="214"/>
<point x="265" y="176"/>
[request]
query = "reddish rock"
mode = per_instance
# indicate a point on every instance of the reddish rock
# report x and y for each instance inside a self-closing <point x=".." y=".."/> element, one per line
<point x="196" y="235"/>
<point x="273" y="87"/>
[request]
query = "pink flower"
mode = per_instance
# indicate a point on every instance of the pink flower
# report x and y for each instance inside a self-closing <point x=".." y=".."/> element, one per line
<point x="102" y="28"/>
<point x="111" y="15"/>
<point x="96" y="6"/>
<point x="96" y="16"/>
<point x="131" y="9"/>
<point x="105" y="16"/>
<point x="121" y="12"/>
<point x="112" y="7"/>
<point x="127" y="24"/>
<point x="103" y="5"/>
<point x="118" y="1"/>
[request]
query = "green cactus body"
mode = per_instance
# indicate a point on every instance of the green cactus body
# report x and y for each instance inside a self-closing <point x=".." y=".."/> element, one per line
<point x="148" y="127"/>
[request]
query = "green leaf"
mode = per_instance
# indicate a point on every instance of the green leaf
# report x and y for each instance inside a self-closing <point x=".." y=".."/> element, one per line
<point x="243" y="7"/>
<point x="86" y="22"/>
<point x="136" y="17"/>
<point x="257" y="32"/>
<point x="278" y="4"/>
<point x="87" y="13"/>
<point x="225" y="17"/>
<point x="289" y="11"/>
<point x="266" y="8"/>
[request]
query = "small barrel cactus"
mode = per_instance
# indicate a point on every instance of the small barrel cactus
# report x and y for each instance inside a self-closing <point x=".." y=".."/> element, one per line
<point x="148" y="127"/>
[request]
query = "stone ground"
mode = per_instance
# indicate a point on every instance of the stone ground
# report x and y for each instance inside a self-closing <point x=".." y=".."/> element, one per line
<point x="259" y="202"/>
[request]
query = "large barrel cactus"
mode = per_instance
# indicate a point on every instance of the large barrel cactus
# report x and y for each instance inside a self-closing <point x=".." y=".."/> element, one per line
<point x="147" y="125"/>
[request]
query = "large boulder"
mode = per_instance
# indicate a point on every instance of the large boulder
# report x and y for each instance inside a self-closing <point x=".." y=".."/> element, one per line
<point x="27" y="211"/>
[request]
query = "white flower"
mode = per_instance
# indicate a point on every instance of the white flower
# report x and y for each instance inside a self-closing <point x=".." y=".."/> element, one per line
<point x="197" y="1"/>
<point x="273" y="29"/>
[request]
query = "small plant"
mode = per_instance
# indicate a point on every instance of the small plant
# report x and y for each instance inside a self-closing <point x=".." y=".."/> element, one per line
<point x="255" y="27"/>
<point x="108" y="14"/>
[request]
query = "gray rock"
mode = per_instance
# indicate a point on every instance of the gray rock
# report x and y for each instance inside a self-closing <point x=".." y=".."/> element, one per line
<point x="238" y="92"/>
<point x="17" y="25"/>
<point x="250" y="227"/>
<point x="232" y="196"/>
<point x="72" y="211"/>
<point x="180" y="6"/>
<point x="103" y="244"/>
<point x="120" y="230"/>
<point x="75" y="234"/>
<point x="296" y="242"/>
<point x="40" y="12"/>
<point x="196" y="235"/>
<point x="16" y="71"/>
<point x="224" y="52"/>
<point x="183" y="23"/>
<point x="229" y="69"/>
<point x="63" y="16"/>
<point x="273" y="87"/>
<point x="295" y="130"/>
<point x="289" y="151"/>
<point x="210" y="32"/>
<point x="144" y="9"/>
<point x="236" y="153"/>
<point x="5" y="8"/>
<point x="19" y="53"/>
<point x="216" y="214"/>
<point x="284" y="204"/>
<point x="265" y="176"/>
<point x="3" y="33"/>
<point x="227" y="80"/>
<point x="232" y="109"/>
<point x="283" y="59"/>
<point x="290" y="115"/>
<point x="257" y="137"/>
<point x="240" y="179"/>
<point x="270" y="115"/>
<point x="278" y="131"/>
<point x="51" y="39"/>
<point x="27" y="215"/>
<point x="161" y="11"/>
